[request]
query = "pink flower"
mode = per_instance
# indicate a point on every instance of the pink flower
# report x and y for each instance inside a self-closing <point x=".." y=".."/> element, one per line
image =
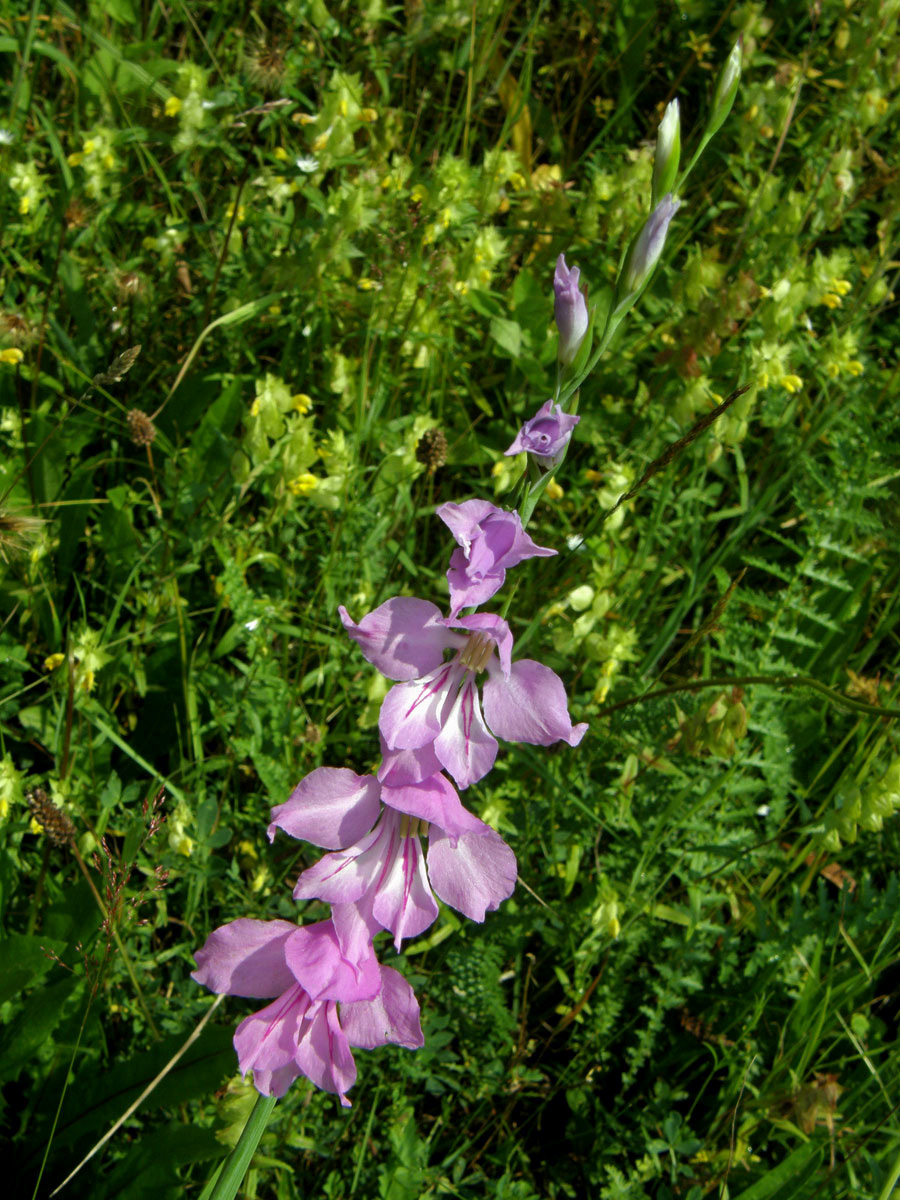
<point x="546" y="435"/>
<point x="491" y="541"/>
<point x="437" y="704"/>
<point x="384" y="871"/>
<point x="307" y="973"/>
<point x="570" y="310"/>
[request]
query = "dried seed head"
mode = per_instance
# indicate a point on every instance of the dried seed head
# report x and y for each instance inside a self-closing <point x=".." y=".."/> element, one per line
<point x="265" y="63"/>
<point x="141" y="429"/>
<point x="55" y="823"/>
<point x="16" y="531"/>
<point x="119" y="366"/>
<point x="128" y="285"/>
<point x="76" y="214"/>
<point x="432" y="449"/>
<point x="15" y="329"/>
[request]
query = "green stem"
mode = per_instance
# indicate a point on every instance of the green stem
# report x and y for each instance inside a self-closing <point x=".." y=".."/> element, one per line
<point x="891" y="1182"/>
<point x="232" y="1173"/>
<point x="788" y="681"/>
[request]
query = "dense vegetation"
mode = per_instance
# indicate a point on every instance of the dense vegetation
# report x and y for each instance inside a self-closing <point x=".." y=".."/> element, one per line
<point x="251" y="258"/>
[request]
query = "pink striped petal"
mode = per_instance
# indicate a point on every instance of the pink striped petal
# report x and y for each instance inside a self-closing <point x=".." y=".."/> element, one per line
<point x="403" y="638"/>
<point x="332" y="807"/>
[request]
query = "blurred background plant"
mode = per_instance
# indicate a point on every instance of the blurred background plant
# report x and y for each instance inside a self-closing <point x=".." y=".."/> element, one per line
<point x="332" y="231"/>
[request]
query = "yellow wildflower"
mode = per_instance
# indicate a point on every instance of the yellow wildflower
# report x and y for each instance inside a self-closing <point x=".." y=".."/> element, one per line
<point x="75" y="160"/>
<point x="173" y="106"/>
<point x="12" y="355"/>
<point x="855" y="367"/>
<point x="24" y="206"/>
<point x="52" y="661"/>
<point x="302" y="403"/>
<point x="303" y="484"/>
<point x="831" y="300"/>
<point x="368" y="115"/>
<point x="553" y="491"/>
<point x="254" y="408"/>
<point x="791" y="383"/>
<point x="280" y="153"/>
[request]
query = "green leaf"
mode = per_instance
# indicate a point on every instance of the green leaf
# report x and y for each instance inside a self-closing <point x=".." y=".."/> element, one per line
<point x="789" y="1177"/>
<point x="25" y="958"/>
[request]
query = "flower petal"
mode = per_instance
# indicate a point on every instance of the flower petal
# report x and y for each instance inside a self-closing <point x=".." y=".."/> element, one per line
<point x="314" y="955"/>
<point x="393" y="1016"/>
<point x="474" y="877"/>
<point x="401" y="767"/>
<point x="344" y="876"/>
<point x="464" y="745"/>
<point x="332" y="807"/>
<point x="529" y="706"/>
<point x="403" y="901"/>
<point x="495" y="627"/>
<point x="246" y="958"/>
<point x="410" y="714"/>
<point x="434" y="800"/>
<point x="266" y="1042"/>
<point x="324" y="1054"/>
<point x="403" y="638"/>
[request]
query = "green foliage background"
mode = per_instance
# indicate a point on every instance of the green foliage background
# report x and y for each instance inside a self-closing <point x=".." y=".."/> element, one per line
<point x="331" y="229"/>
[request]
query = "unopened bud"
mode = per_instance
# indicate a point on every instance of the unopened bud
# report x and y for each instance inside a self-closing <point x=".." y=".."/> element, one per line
<point x="726" y="90"/>
<point x="668" y="152"/>
<point x="570" y="310"/>
<point x="647" y="246"/>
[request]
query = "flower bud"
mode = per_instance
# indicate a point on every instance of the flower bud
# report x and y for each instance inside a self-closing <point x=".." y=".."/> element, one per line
<point x="647" y="246"/>
<point x="668" y="153"/>
<point x="726" y="90"/>
<point x="570" y="310"/>
<point x="546" y="435"/>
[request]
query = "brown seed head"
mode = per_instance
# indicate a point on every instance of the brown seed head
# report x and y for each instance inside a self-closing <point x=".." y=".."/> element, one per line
<point x="57" y="825"/>
<point x="141" y="429"/>
<point x="432" y="449"/>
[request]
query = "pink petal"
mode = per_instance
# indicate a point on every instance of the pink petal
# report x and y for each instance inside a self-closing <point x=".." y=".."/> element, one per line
<point x="246" y="958"/>
<point x="266" y="1042"/>
<point x="529" y="706"/>
<point x="410" y="714"/>
<point x="403" y="902"/>
<point x="433" y="800"/>
<point x="332" y="807"/>
<point x="393" y="1016"/>
<point x="343" y="877"/>
<point x="314" y="955"/>
<point x="324" y="1054"/>
<point x="476" y="876"/>
<point x="464" y="745"/>
<point x="400" y="767"/>
<point x="495" y="627"/>
<point x="403" y="638"/>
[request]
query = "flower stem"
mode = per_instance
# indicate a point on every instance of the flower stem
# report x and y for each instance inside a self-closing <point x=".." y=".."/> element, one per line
<point x="232" y="1174"/>
<point x="786" y="681"/>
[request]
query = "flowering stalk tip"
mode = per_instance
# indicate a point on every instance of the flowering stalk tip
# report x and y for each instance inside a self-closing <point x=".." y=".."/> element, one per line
<point x="570" y="310"/>
<point x="726" y="90"/>
<point x="668" y="153"/>
<point x="647" y="247"/>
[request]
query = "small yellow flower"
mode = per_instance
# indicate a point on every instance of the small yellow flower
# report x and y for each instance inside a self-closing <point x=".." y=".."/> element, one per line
<point x="254" y="408"/>
<point x="831" y="300"/>
<point x="108" y="161"/>
<point x="553" y="491"/>
<point x="12" y="355"/>
<point x="841" y="286"/>
<point x="302" y="403"/>
<point x="752" y="113"/>
<point x="342" y="108"/>
<point x="87" y="681"/>
<point x="75" y="160"/>
<point x="321" y="141"/>
<point x="855" y="367"/>
<point x="766" y="131"/>
<point x="593" y="476"/>
<point x="303" y="484"/>
<point x="833" y="370"/>
<point x="241" y="212"/>
<point x="52" y="661"/>
<point x="280" y="153"/>
<point x="791" y="383"/>
<point x="305" y="119"/>
<point x="518" y="181"/>
<point x="275" y="310"/>
<point x="367" y="285"/>
<point x="419" y="194"/>
<point x="24" y="206"/>
<point x="498" y="468"/>
<point x="34" y="826"/>
<point x="368" y="115"/>
<point x="173" y="106"/>
<point x="89" y="146"/>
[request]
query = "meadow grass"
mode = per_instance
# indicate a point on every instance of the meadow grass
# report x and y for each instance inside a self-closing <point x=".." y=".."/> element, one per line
<point x="251" y="259"/>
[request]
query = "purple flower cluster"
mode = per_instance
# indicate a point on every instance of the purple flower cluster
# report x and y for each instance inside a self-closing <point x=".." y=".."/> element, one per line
<point x="457" y="690"/>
